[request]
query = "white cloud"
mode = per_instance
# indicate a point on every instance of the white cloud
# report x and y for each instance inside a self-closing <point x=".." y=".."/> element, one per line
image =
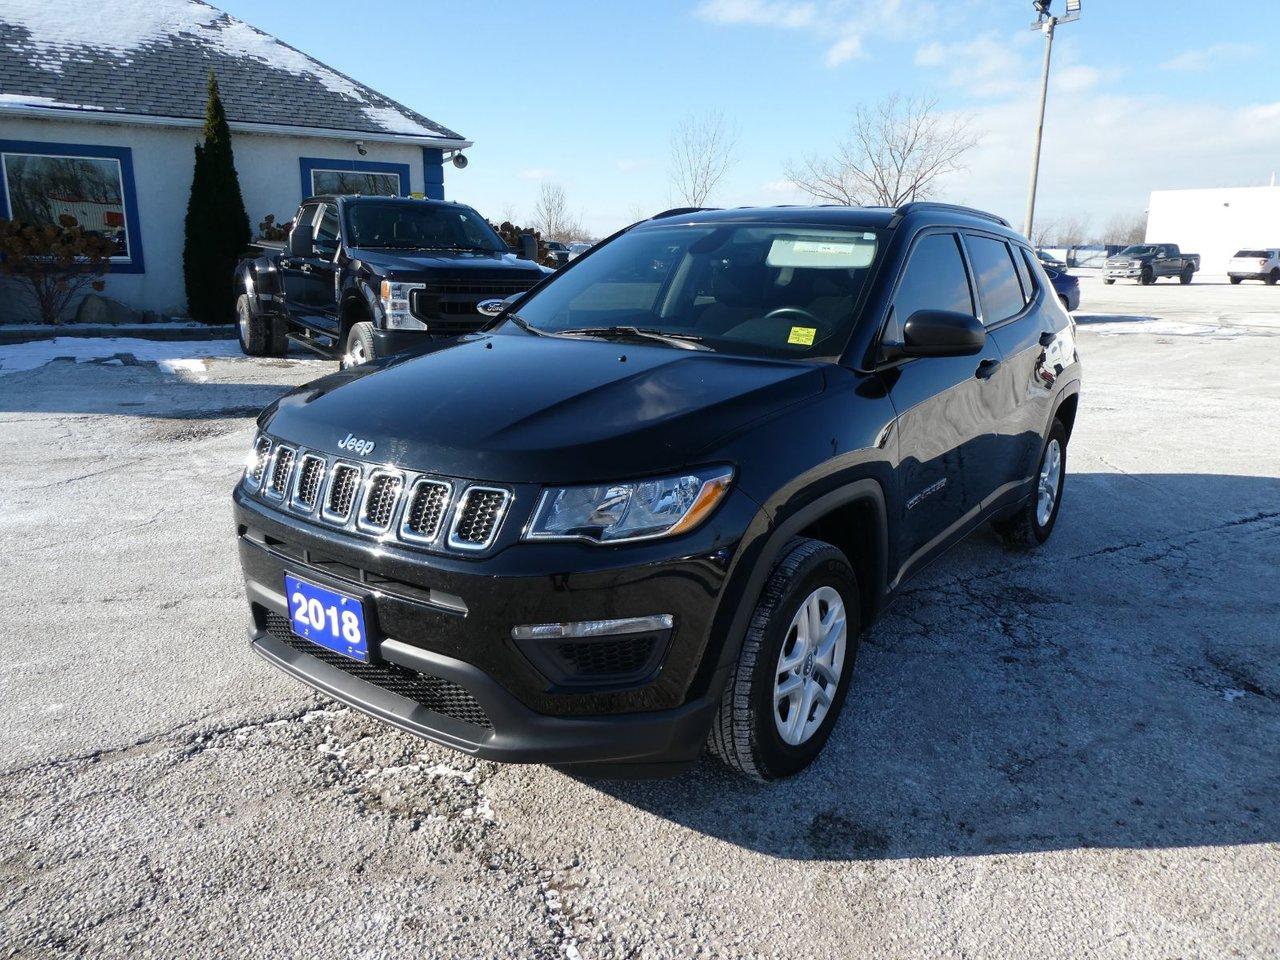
<point x="761" y="13"/>
<point x="536" y="173"/>
<point x="632" y="164"/>
<point x="985" y="66"/>
<point x="1193" y="61"/>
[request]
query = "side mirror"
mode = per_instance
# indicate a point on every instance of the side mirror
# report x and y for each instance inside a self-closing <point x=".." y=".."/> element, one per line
<point x="528" y="246"/>
<point x="942" y="333"/>
<point x="300" y="240"/>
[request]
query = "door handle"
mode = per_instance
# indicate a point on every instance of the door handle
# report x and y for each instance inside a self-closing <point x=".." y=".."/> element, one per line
<point x="306" y="268"/>
<point x="987" y="368"/>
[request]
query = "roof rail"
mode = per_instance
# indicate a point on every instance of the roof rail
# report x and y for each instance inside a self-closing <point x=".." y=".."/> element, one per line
<point x="915" y="205"/>
<point x="676" y="211"/>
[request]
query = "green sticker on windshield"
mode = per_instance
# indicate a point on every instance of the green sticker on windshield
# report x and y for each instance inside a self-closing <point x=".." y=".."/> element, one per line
<point x="802" y="335"/>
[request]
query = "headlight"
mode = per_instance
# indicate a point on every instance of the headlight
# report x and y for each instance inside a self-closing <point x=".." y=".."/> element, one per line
<point x="642" y="510"/>
<point x="395" y="304"/>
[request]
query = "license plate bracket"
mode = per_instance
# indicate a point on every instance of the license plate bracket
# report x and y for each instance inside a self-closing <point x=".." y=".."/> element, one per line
<point x="327" y="618"/>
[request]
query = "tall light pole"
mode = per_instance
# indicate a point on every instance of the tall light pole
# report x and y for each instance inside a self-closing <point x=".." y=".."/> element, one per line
<point x="1047" y="23"/>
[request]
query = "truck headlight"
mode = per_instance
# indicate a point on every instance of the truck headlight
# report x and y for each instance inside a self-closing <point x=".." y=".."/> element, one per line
<point x="395" y="305"/>
<point x="640" y="510"/>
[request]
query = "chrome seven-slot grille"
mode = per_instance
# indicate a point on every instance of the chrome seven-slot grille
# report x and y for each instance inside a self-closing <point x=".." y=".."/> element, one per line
<point x="371" y="499"/>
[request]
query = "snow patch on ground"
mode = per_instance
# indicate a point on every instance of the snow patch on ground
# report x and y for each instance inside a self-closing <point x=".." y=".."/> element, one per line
<point x="187" y="357"/>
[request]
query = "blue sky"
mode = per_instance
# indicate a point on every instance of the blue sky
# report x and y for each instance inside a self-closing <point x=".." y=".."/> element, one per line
<point x="1180" y="94"/>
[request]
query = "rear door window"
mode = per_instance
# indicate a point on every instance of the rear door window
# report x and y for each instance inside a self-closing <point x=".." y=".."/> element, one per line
<point x="998" y="286"/>
<point x="935" y="279"/>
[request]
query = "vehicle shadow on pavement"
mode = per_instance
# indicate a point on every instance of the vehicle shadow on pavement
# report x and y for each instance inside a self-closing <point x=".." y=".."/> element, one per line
<point x="1119" y="688"/>
<point x="1087" y="318"/>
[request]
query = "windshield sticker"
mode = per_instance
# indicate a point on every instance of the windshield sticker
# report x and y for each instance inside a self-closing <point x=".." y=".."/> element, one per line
<point x="821" y="253"/>
<point x="802" y="335"/>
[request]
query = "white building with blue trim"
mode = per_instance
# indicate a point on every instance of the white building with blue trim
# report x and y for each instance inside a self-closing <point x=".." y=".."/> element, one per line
<point x="102" y="104"/>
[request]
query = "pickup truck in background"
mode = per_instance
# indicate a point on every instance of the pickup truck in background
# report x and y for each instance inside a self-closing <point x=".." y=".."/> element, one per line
<point x="365" y="277"/>
<point x="1148" y="262"/>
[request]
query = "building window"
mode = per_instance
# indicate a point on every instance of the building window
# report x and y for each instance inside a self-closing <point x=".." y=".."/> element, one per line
<point x="321" y="176"/>
<point x="42" y="182"/>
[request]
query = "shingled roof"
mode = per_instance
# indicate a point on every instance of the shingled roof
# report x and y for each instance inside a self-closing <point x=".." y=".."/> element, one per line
<point x="151" y="58"/>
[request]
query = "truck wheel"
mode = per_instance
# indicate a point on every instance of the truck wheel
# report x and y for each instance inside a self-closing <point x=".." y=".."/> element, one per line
<point x="1236" y="280"/>
<point x="1108" y="282"/>
<point x="1147" y="278"/>
<point x="1273" y="277"/>
<point x="1034" y="521"/>
<point x="260" y="335"/>
<point x="358" y="349"/>
<point x="1185" y="277"/>
<point x="786" y="690"/>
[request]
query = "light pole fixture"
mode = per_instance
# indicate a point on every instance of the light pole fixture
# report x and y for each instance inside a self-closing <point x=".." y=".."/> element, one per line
<point x="1046" y="22"/>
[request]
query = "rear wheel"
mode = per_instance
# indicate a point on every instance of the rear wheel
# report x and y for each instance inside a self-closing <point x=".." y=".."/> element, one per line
<point x="259" y="335"/>
<point x="1273" y="277"/>
<point x="792" y="674"/>
<point x="1185" y="277"/>
<point x="358" y="348"/>
<point x="1034" y="521"/>
<point x="1108" y="282"/>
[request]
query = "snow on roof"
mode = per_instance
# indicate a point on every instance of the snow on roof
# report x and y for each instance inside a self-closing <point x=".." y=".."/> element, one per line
<point x="151" y="57"/>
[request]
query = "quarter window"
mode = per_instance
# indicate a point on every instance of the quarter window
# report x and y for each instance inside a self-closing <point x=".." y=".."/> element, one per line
<point x="1022" y="262"/>
<point x="998" y="284"/>
<point x="935" y="279"/>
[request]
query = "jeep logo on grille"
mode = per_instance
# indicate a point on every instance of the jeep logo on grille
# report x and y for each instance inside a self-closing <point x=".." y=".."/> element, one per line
<point x="357" y="445"/>
<point x="490" y="308"/>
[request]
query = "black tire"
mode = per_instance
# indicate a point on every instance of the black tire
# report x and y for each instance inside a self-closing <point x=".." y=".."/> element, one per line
<point x="259" y="336"/>
<point x="1273" y="277"/>
<point x="1024" y="529"/>
<point x="1235" y="280"/>
<point x="1147" y="278"/>
<point x="1185" y="277"/>
<point x="744" y="734"/>
<point x="358" y="348"/>
<point x="1108" y="282"/>
<point x="1065" y="305"/>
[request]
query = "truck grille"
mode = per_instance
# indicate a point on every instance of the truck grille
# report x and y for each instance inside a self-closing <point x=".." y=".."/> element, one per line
<point x="425" y="513"/>
<point x="478" y="516"/>
<point x="449" y="307"/>
<point x="342" y="492"/>
<point x="281" y="467"/>
<point x="380" y="499"/>
<point x="306" y="492"/>
<point x="433" y="693"/>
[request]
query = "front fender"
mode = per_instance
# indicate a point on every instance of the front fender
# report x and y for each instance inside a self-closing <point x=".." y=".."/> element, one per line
<point x="259" y="277"/>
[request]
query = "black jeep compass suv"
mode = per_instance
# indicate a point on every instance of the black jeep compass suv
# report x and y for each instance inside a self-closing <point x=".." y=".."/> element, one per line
<point x="653" y="505"/>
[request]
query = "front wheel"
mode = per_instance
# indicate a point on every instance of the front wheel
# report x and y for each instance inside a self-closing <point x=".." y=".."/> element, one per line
<point x="1273" y="277"/>
<point x="1237" y="280"/>
<point x="1147" y="278"/>
<point x="1185" y="277"/>
<point x="259" y="335"/>
<point x="358" y="349"/>
<point x="792" y="674"/>
<point x="1034" y="521"/>
<point x="1108" y="282"/>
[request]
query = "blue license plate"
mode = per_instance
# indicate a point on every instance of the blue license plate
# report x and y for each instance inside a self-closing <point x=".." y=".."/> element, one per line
<point x="325" y="617"/>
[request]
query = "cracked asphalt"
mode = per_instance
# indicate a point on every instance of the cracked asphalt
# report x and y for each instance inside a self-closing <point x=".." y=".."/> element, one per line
<point x="1063" y="753"/>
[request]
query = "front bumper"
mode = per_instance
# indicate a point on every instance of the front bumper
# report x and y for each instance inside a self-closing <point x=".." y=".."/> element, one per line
<point x="1121" y="273"/>
<point x="449" y="620"/>
<point x="388" y="342"/>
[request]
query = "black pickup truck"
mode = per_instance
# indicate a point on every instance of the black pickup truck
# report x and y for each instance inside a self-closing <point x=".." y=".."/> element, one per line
<point x="1148" y="262"/>
<point x="365" y="277"/>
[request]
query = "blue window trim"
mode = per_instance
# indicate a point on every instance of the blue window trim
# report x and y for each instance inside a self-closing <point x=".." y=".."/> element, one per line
<point x="309" y="164"/>
<point x="123" y="155"/>
<point x="433" y="173"/>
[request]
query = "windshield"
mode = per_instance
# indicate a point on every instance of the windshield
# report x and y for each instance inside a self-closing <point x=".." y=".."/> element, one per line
<point x="420" y="226"/>
<point x="1138" y="251"/>
<point x="764" y="290"/>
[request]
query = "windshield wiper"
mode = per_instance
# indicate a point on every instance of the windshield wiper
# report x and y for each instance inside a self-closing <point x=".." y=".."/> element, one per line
<point x="685" y="341"/>
<point x="524" y="325"/>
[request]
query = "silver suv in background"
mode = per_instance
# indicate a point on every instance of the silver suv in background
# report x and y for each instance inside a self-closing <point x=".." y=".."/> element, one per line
<point x="1257" y="264"/>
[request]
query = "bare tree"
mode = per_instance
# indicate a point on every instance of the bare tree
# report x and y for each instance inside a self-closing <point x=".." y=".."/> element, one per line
<point x="702" y="152"/>
<point x="1072" y="231"/>
<point x="551" y="216"/>
<point x="1044" y="232"/>
<point x="1126" y="228"/>
<point x="896" y="151"/>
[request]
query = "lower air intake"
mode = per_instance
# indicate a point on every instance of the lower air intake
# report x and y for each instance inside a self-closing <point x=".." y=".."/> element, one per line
<point x="432" y="693"/>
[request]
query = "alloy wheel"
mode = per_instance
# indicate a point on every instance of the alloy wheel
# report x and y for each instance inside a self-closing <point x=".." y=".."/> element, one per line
<point x="1050" y="478"/>
<point x="810" y="664"/>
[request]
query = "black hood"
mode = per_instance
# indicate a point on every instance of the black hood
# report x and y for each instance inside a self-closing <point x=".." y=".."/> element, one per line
<point x="404" y="262"/>
<point x="520" y="408"/>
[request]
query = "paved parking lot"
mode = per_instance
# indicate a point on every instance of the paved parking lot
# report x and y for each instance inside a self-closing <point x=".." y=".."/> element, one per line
<point x="1072" y="752"/>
